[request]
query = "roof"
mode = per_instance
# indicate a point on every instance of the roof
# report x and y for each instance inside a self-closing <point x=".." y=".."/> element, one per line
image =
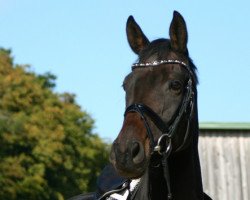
<point x="224" y="125"/>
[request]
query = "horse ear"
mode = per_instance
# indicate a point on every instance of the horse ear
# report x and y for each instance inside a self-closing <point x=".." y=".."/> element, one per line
<point x="136" y="38"/>
<point x="178" y="33"/>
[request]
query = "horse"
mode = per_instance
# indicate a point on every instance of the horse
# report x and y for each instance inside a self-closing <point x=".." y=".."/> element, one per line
<point x="155" y="155"/>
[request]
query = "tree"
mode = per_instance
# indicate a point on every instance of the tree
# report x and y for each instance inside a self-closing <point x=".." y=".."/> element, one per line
<point x="48" y="148"/>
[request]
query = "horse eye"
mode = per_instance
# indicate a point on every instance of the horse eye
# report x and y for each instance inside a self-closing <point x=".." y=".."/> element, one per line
<point x="175" y="85"/>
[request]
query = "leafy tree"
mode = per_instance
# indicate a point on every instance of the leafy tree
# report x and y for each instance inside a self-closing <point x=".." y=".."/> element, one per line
<point x="48" y="149"/>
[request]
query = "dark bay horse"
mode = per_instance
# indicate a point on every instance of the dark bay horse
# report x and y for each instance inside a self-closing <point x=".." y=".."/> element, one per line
<point x="158" y="142"/>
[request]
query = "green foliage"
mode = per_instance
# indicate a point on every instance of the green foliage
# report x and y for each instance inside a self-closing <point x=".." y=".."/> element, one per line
<point x="48" y="149"/>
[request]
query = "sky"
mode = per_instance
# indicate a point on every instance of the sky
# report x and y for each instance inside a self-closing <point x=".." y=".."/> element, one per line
<point x="83" y="42"/>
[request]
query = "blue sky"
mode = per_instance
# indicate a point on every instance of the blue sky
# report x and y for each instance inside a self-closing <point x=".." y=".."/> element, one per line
<point x="83" y="42"/>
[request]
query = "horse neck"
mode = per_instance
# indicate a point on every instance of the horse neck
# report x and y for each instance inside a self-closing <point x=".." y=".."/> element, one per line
<point x="184" y="169"/>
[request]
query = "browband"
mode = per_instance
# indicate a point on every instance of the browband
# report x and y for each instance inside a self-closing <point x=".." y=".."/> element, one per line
<point x="156" y="63"/>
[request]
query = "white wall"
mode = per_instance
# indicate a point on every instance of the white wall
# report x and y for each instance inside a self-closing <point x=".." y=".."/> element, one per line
<point x="225" y="163"/>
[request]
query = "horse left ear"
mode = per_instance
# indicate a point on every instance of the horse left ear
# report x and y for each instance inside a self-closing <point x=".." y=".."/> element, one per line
<point x="178" y="33"/>
<point x="136" y="38"/>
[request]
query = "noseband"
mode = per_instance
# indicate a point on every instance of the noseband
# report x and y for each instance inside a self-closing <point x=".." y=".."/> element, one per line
<point x="164" y="146"/>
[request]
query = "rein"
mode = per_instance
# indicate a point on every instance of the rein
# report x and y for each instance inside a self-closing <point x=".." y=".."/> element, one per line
<point x="167" y="129"/>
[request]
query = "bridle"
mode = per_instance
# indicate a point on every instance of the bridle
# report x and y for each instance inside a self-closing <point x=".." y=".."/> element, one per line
<point x="163" y="146"/>
<point x="168" y="130"/>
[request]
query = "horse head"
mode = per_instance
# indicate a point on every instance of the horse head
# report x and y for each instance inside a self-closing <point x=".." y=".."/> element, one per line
<point x="160" y="93"/>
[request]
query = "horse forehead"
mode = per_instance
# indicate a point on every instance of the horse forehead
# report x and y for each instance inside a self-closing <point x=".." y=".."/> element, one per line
<point x="176" y="68"/>
<point x="165" y="71"/>
<point x="150" y="76"/>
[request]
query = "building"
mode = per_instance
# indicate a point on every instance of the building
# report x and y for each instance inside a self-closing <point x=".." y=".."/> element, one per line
<point x="225" y="160"/>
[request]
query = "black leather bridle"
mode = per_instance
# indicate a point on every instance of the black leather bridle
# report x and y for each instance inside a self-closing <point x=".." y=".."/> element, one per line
<point x="163" y="146"/>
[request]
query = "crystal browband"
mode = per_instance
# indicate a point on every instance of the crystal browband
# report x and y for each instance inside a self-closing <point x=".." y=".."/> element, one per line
<point x="158" y="62"/>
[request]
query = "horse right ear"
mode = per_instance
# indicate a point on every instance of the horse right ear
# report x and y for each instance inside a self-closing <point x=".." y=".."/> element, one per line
<point x="178" y="33"/>
<point x="136" y="38"/>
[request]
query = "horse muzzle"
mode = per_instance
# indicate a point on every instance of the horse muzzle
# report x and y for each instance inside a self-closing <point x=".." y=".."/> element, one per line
<point x="129" y="161"/>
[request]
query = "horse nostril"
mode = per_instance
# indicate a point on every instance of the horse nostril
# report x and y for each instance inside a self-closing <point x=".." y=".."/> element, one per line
<point x="135" y="149"/>
<point x="137" y="152"/>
